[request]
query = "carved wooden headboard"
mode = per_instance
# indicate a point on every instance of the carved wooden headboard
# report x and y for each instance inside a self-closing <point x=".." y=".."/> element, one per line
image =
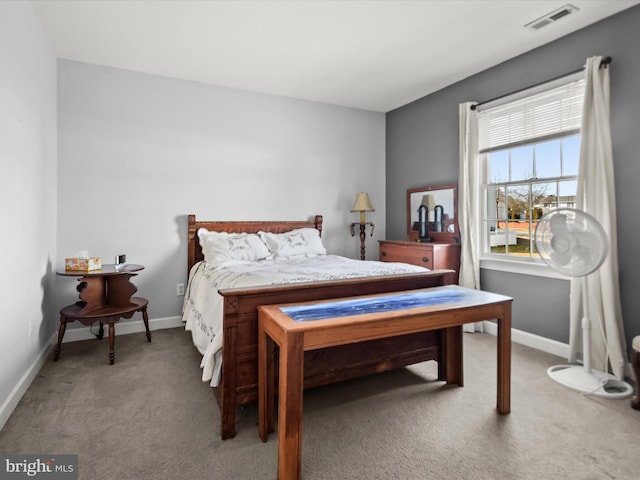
<point x="195" y="252"/>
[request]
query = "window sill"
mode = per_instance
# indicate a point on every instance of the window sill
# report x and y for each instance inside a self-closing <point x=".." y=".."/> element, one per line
<point x="520" y="267"/>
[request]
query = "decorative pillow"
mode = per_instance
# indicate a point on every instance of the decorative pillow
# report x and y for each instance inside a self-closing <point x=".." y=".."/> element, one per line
<point x="219" y="247"/>
<point x="301" y="241"/>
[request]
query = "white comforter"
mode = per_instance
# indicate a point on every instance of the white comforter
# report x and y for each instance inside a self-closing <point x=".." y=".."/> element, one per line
<point x="202" y="310"/>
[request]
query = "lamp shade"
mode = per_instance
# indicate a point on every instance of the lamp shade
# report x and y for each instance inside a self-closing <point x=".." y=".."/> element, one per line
<point x="363" y="204"/>
<point x="428" y="201"/>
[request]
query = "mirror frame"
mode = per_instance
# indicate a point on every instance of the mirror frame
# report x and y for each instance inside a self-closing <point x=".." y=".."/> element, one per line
<point x="449" y="237"/>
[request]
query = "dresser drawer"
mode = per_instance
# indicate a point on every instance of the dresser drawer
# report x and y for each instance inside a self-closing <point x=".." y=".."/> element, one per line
<point x="432" y="255"/>
<point x="422" y="256"/>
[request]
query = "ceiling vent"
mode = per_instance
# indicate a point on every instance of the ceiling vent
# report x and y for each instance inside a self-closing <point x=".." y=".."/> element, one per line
<point x="551" y="17"/>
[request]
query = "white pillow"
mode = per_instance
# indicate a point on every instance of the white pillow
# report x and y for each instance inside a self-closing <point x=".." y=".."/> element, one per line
<point x="301" y="241"/>
<point x="220" y="247"/>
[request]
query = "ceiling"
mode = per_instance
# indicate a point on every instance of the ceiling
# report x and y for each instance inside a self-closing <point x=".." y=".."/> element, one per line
<point x="370" y="54"/>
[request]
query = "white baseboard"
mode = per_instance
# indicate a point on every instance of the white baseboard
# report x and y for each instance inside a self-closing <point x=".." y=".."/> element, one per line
<point x="122" y="328"/>
<point x="543" y="344"/>
<point x="74" y="335"/>
<point x="9" y="405"/>
<point x="530" y="340"/>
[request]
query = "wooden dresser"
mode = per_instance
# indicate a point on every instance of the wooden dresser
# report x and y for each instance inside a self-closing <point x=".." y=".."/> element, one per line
<point x="432" y="255"/>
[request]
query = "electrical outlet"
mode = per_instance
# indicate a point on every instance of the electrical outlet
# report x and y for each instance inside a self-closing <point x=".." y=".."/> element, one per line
<point x="180" y="289"/>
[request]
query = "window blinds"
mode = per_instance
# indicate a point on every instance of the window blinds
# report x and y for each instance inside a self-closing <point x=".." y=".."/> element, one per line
<point x="532" y="118"/>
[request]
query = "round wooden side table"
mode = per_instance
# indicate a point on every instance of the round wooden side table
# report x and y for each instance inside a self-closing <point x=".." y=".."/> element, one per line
<point x="105" y="297"/>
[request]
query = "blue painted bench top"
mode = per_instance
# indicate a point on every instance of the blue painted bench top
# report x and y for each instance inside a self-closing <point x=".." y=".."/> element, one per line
<point x="361" y="306"/>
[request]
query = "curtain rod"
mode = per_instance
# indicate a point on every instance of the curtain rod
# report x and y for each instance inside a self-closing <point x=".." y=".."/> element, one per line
<point x="605" y="62"/>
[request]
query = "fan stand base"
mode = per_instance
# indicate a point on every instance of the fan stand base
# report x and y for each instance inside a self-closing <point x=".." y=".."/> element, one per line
<point x="592" y="382"/>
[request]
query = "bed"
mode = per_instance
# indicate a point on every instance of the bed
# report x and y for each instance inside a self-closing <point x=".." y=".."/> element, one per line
<point x="229" y="343"/>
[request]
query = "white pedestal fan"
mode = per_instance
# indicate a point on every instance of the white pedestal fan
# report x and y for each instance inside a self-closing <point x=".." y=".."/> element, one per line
<point x="574" y="243"/>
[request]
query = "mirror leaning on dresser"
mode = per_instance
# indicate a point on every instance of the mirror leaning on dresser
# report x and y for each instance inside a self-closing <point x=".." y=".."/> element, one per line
<point x="442" y="249"/>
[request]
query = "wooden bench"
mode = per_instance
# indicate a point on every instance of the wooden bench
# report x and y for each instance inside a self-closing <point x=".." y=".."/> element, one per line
<point x="300" y="327"/>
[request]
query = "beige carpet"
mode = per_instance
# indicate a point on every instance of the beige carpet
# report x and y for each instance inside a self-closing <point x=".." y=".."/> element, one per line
<point x="150" y="417"/>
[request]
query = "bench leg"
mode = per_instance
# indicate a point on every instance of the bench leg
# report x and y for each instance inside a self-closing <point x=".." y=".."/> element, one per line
<point x="635" y="362"/>
<point x="453" y="356"/>
<point x="61" y="330"/>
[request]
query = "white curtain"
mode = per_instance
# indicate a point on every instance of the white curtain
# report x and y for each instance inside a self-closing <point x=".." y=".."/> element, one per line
<point x="596" y="196"/>
<point x="468" y="202"/>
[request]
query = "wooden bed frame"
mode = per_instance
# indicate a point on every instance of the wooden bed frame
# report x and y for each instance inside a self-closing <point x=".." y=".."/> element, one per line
<point x="239" y="379"/>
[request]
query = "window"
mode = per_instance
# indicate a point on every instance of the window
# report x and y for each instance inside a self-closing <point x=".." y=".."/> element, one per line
<point x="529" y="153"/>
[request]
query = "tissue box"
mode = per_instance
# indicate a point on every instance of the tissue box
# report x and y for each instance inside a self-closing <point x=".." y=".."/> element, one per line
<point x="82" y="264"/>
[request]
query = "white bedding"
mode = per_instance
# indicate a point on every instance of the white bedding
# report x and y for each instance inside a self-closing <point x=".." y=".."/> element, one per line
<point x="202" y="310"/>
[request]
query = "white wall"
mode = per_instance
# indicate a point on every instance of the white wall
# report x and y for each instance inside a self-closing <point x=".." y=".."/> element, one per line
<point x="138" y="152"/>
<point x="27" y="198"/>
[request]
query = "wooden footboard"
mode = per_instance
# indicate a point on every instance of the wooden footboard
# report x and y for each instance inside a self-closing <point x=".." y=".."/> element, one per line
<point x="239" y="380"/>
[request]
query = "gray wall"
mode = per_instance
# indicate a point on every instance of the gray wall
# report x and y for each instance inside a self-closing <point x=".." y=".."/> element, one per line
<point x="27" y="198"/>
<point x="138" y="152"/>
<point x="422" y="149"/>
